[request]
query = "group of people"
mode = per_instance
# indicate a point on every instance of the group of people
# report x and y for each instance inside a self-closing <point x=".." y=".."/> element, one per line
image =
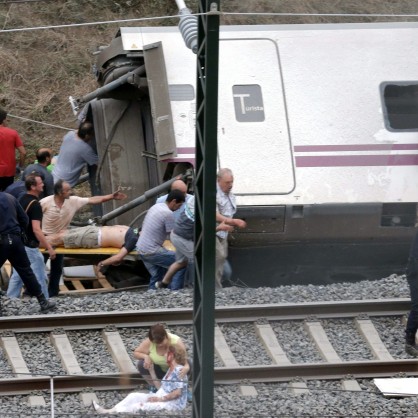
<point x="42" y="208"/>
<point x="49" y="206"/>
<point x="165" y="366"/>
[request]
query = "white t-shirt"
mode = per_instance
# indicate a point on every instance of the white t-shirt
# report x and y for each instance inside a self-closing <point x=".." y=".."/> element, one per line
<point x="56" y="219"/>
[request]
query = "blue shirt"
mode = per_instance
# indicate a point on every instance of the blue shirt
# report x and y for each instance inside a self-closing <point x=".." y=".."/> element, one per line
<point x="73" y="156"/>
<point x="13" y="218"/>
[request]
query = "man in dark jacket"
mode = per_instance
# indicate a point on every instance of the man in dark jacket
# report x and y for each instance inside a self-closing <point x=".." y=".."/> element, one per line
<point x="13" y="220"/>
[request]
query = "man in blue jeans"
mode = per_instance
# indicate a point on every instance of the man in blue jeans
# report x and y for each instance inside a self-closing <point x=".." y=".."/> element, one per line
<point x="13" y="220"/>
<point x="30" y="204"/>
<point x="156" y="228"/>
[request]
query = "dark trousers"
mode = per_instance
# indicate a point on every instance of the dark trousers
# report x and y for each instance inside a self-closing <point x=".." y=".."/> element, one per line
<point x="12" y="249"/>
<point x="57" y="266"/>
<point x="412" y="277"/>
<point x="5" y="182"/>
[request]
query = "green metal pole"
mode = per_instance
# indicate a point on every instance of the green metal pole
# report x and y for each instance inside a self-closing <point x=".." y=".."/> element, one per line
<point x="205" y="206"/>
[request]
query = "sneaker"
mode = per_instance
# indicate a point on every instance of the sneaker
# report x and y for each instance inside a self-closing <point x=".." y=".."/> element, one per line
<point x="161" y="285"/>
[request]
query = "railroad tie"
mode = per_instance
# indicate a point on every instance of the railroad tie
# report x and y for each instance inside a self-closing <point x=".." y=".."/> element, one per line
<point x="298" y="387"/>
<point x="350" y="385"/>
<point x="371" y="336"/>
<point x="228" y="359"/>
<point x="268" y="338"/>
<point x="15" y="357"/>
<point x="87" y="397"/>
<point x="17" y="363"/>
<point x="223" y="351"/>
<point x="62" y="344"/>
<point x="118" y="351"/>
<point x="320" y="338"/>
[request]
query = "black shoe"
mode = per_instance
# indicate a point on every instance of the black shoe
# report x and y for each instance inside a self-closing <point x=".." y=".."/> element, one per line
<point x="161" y="285"/>
<point x="411" y="349"/>
<point x="46" y="305"/>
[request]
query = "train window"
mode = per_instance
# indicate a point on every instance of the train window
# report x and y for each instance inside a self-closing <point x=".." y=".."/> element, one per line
<point x="400" y="105"/>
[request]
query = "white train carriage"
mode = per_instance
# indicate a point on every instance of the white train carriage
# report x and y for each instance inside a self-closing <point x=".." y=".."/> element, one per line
<point x="319" y="124"/>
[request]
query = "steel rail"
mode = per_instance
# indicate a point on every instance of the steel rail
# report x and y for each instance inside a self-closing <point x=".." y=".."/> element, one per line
<point x="140" y="318"/>
<point x="222" y="375"/>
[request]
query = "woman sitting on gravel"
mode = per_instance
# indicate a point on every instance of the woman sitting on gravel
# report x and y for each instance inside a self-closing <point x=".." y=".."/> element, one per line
<point x="171" y="395"/>
<point x="151" y="353"/>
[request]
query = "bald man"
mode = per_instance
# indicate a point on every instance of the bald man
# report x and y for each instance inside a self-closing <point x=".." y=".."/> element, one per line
<point x="44" y="157"/>
<point x="177" y="185"/>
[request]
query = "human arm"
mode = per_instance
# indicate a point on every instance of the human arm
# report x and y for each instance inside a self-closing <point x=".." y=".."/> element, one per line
<point x="174" y="394"/>
<point x="36" y="227"/>
<point x="186" y="368"/>
<point x="94" y="200"/>
<point x="115" y="259"/>
<point x="142" y="353"/>
<point x="224" y="227"/>
<point x="22" y="155"/>
<point x="239" y="223"/>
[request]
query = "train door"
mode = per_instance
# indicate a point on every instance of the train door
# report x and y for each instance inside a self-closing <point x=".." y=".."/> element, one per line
<point x="253" y="132"/>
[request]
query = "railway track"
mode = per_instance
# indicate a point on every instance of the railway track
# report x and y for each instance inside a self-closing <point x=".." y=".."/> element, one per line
<point x="261" y="322"/>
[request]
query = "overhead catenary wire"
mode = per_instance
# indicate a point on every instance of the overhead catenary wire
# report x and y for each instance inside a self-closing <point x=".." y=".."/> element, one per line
<point x="50" y="125"/>
<point x="178" y="16"/>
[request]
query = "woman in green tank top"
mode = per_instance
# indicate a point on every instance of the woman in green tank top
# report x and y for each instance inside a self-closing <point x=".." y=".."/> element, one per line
<point x="152" y="352"/>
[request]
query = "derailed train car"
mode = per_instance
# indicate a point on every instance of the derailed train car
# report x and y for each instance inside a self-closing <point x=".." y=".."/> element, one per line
<point x="318" y="122"/>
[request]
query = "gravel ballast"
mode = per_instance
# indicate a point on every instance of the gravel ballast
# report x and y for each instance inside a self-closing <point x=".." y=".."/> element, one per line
<point x="324" y="398"/>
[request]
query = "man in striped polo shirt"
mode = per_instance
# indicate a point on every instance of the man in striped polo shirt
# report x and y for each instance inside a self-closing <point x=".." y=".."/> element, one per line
<point x="156" y="228"/>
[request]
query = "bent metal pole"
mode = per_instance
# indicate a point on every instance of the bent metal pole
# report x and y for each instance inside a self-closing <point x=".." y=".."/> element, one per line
<point x="138" y="201"/>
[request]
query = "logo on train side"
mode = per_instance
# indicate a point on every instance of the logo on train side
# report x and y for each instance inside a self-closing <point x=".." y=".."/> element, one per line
<point x="248" y="103"/>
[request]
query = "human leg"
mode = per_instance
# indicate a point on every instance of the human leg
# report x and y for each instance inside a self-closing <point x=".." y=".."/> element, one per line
<point x="177" y="281"/>
<point x="412" y="322"/>
<point x="38" y="266"/>
<point x="15" y="285"/>
<point x="157" y="264"/>
<point x="221" y="255"/>
<point x="55" y="274"/>
<point x="174" y="268"/>
<point x="20" y="262"/>
<point x="227" y="272"/>
<point x="146" y="373"/>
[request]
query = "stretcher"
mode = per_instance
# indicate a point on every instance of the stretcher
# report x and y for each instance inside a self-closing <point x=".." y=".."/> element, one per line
<point x="107" y="251"/>
<point x="95" y="284"/>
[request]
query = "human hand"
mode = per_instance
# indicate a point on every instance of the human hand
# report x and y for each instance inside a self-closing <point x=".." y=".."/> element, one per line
<point x="118" y="195"/>
<point x="240" y="223"/>
<point x="183" y="372"/>
<point x="224" y="227"/>
<point x="147" y="362"/>
<point x="52" y="254"/>
<point x="154" y="399"/>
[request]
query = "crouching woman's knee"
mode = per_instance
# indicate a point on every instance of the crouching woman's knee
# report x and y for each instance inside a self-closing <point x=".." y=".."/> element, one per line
<point x="141" y="369"/>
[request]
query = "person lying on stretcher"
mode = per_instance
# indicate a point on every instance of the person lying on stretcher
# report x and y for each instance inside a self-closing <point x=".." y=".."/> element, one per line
<point x="116" y="236"/>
